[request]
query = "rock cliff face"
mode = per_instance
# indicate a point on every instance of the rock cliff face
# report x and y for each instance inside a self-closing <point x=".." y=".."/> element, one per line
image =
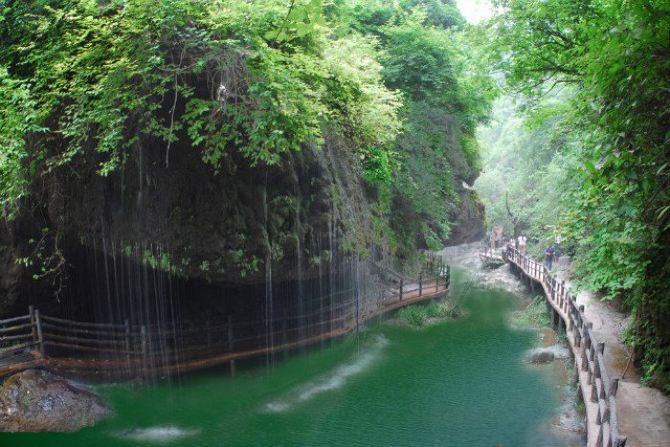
<point x="215" y="227"/>
<point x="469" y="219"/>
<point x="16" y="281"/>
<point x="193" y="221"/>
<point x="10" y="271"/>
<point x="219" y="225"/>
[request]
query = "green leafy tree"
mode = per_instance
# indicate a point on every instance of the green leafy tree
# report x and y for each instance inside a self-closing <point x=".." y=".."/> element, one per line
<point x="614" y="56"/>
<point x="17" y="120"/>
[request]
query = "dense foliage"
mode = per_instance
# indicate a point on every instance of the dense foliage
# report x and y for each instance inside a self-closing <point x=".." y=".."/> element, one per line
<point x="259" y="78"/>
<point x="595" y="156"/>
<point x="230" y="75"/>
<point x="525" y="172"/>
<point x="425" y="56"/>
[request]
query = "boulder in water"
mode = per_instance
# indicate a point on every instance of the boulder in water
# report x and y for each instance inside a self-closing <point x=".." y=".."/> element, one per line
<point x="37" y="400"/>
<point x="547" y="354"/>
<point x="540" y="355"/>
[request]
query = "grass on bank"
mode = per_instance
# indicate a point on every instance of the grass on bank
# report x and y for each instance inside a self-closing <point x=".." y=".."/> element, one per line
<point x="419" y="315"/>
<point x="533" y="316"/>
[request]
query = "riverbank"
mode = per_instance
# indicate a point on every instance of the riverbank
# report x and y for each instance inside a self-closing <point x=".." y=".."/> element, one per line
<point x="457" y="383"/>
<point x="570" y="419"/>
<point x="643" y="412"/>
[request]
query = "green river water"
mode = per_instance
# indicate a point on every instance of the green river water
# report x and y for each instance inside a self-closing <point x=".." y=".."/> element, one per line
<point x="455" y="383"/>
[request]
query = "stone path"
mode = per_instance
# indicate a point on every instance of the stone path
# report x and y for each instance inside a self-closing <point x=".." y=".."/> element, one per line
<point x="643" y="412"/>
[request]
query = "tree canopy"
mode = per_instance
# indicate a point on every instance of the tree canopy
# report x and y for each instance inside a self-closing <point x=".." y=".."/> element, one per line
<point x="594" y="77"/>
<point x="259" y="78"/>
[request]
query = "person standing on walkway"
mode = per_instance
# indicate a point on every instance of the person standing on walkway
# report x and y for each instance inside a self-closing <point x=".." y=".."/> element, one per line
<point x="522" y="244"/>
<point x="510" y="246"/>
<point x="549" y="256"/>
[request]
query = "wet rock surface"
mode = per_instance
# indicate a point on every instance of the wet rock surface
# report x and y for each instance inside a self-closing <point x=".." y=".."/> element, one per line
<point x="469" y="217"/>
<point x="540" y="356"/>
<point x="37" y="400"/>
<point x="547" y="354"/>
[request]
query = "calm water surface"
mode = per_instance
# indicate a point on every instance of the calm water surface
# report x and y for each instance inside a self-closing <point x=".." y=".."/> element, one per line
<point x="459" y="383"/>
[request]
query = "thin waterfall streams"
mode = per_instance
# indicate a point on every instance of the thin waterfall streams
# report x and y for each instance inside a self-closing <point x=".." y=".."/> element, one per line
<point x="455" y="383"/>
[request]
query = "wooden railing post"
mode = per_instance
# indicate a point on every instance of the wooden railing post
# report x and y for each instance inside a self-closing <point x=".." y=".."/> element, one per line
<point x="40" y="337"/>
<point x="126" y="327"/>
<point x="33" y="327"/>
<point x="284" y="335"/>
<point x="421" y="284"/>
<point x="145" y="350"/>
<point x="208" y="332"/>
<point x="358" y="308"/>
<point x="614" y="386"/>
<point x="143" y="342"/>
<point x="230" y="343"/>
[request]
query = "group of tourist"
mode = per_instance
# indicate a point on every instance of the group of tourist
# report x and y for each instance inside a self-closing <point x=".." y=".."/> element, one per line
<point x="520" y="243"/>
<point x="551" y="253"/>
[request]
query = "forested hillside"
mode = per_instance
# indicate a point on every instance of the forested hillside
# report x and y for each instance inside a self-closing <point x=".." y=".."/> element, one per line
<point x="586" y="155"/>
<point x="234" y="134"/>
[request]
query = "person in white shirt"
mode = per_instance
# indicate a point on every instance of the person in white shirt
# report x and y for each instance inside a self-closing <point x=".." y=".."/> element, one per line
<point x="522" y="244"/>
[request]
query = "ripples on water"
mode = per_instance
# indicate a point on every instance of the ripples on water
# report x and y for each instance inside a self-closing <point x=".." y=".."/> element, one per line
<point x="460" y="383"/>
<point x="332" y="380"/>
<point x="167" y="433"/>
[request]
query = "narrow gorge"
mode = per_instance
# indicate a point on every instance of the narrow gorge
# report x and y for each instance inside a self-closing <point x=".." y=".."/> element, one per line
<point x="261" y="222"/>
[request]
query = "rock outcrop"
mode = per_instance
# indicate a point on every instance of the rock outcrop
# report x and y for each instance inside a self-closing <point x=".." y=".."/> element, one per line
<point x="547" y="355"/>
<point x="469" y="217"/>
<point x="38" y="401"/>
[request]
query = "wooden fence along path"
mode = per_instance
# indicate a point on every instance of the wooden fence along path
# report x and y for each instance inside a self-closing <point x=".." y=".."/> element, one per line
<point x="598" y="387"/>
<point x="21" y="342"/>
<point x="113" y="350"/>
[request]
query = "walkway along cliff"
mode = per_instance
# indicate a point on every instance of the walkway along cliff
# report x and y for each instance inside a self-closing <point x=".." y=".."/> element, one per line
<point x="597" y="387"/>
<point x="141" y="350"/>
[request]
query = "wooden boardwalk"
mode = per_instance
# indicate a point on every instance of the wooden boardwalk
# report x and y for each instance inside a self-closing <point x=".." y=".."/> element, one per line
<point x="598" y="387"/>
<point x="19" y="360"/>
<point x="113" y="350"/>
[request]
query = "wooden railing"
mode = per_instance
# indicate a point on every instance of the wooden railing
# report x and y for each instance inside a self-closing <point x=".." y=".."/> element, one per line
<point x="120" y="349"/>
<point x="433" y="275"/>
<point x="21" y="342"/>
<point x="599" y="388"/>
